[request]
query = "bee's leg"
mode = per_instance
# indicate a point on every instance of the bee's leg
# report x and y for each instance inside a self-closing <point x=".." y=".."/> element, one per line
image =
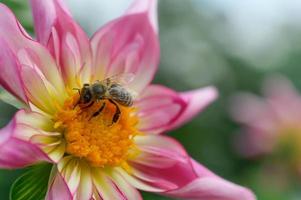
<point x="99" y="111"/>
<point x="76" y="104"/>
<point x="78" y="90"/>
<point x="117" y="113"/>
<point x="89" y="105"/>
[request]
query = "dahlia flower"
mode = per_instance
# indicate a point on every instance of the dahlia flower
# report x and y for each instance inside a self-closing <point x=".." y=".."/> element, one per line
<point x="271" y="124"/>
<point x="93" y="158"/>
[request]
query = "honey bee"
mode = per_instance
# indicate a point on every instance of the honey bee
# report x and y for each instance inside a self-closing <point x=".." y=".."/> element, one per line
<point x="111" y="89"/>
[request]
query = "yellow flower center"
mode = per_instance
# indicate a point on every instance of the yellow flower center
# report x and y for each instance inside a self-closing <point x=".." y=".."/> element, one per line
<point x="95" y="138"/>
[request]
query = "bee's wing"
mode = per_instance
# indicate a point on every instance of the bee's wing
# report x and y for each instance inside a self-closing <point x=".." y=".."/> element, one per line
<point x="133" y="93"/>
<point x="122" y="79"/>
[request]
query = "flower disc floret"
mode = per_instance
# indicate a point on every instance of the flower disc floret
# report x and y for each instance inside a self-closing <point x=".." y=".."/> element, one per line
<point x="96" y="139"/>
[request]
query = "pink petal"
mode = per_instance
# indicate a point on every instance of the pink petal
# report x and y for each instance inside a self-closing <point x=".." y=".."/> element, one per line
<point x="161" y="109"/>
<point x="210" y="186"/>
<point x="185" y="179"/>
<point x="10" y="26"/>
<point x="279" y="88"/>
<point x="213" y="189"/>
<point x="10" y="72"/>
<point x="15" y="147"/>
<point x="128" y="44"/>
<point x="283" y="99"/>
<point x="252" y="110"/>
<point x="158" y="108"/>
<point x="25" y="51"/>
<point x="58" y="188"/>
<point x="162" y="175"/>
<point x="166" y="149"/>
<point x="150" y="6"/>
<point x="196" y="100"/>
<point x="65" y="39"/>
<point x="44" y="15"/>
<point x="263" y="116"/>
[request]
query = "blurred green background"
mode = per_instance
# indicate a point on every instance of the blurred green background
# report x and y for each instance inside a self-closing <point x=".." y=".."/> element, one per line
<point x="231" y="44"/>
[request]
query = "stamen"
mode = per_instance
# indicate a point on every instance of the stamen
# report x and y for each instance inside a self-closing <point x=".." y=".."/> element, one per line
<point x="95" y="138"/>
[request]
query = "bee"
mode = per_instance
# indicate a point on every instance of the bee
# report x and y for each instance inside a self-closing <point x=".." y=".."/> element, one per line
<point x="111" y="89"/>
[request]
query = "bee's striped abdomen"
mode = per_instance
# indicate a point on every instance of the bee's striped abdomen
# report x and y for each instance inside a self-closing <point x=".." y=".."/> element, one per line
<point x="121" y="95"/>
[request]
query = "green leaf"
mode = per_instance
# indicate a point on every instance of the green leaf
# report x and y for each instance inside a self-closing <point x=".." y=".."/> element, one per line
<point x="32" y="185"/>
<point x="10" y="99"/>
<point x="151" y="196"/>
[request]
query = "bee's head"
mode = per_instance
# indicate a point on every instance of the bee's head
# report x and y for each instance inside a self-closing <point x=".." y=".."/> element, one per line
<point x="85" y="94"/>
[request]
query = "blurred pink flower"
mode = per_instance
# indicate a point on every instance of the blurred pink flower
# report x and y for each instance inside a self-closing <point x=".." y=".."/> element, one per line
<point x="91" y="159"/>
<point x="271" y="125"/>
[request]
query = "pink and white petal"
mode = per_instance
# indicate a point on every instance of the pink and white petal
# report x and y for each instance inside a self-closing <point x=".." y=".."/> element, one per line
<point x="30" y="59"/>
<point x="38" y="58"/>
<point x="192" y="180"/>
<point x="196" y="100"/>
<point x="127" y="191"/>
<point x="51" y="143"/>
<point x="10" y="72"/>
<point x="159" y="184"/>
<point x="86" y="184"/>
<point x="135" y="182"/>
<point x="35" y="120"/>
<point x="37" y="91"/>
<point x="69" y="170"/>
<point x="158" y="108"/>
<point x="134" y="49"/>
<point x="77" y="175"/>
<point x="15" y="146"/>
<point x="105" y="188"/>
<point x="58" y="188"/>
<point x="64" y="38"/>
<point x="38" y="129"/>
<point x="159" y="152"/>
<point x="110" y="185"/>
<point x="17" y="39"/>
